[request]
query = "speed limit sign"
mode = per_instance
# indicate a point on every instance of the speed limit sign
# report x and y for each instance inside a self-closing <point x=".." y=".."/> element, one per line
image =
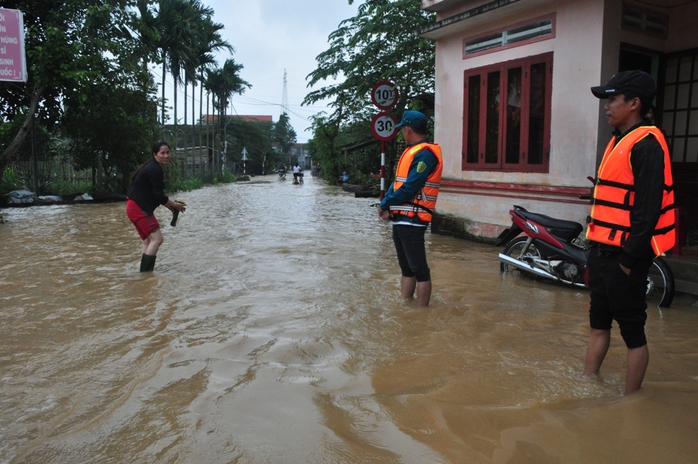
<point x="383" y="126"/>
<point x="384" y="95"/>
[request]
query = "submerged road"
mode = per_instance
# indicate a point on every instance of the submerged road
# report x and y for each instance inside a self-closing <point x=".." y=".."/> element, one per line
<point x="272" y="332"/>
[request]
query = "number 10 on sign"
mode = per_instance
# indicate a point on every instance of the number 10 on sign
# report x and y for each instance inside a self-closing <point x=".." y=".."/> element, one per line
<point x="384" y="95"/>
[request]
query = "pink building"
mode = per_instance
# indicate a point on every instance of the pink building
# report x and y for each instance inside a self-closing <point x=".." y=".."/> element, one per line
<point x="514" y="113"/>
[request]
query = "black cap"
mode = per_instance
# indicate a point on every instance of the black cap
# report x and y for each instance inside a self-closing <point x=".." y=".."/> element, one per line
<point x="636" y="81"/>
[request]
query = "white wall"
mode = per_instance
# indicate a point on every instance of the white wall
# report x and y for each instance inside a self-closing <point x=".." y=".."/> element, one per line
<point x="586" y="50"/>
<point x="574" y="118"/>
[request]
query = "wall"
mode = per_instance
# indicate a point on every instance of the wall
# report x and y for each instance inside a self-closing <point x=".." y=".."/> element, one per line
<point x="577" y="66"/>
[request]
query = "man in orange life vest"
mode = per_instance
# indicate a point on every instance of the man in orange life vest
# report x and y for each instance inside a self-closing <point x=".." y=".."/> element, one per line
<point x="409" y="204"/>
<point x="631" y="221"/>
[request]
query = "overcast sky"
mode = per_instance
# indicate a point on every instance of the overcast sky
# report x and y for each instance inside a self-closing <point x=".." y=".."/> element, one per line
<point x="270" y="36"/>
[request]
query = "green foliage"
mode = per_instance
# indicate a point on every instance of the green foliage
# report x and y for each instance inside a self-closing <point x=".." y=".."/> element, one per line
<point x="228" y="177"/>
<point x="67" y="42"/>
<point x="10" y="181"/>
<point x="180" y="185"/>
<point x="113" y="127"/>
<point x="379" y="43"/>
<point x="68" y="188"/>
<point x="253" y="136"/>
<point x="283" y="135"/>
<point x="344" y="149"/>
<point x="88" y="79"/>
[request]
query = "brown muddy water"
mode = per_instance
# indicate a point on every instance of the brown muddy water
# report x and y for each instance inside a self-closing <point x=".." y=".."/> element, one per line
<point x="272" y="332"/>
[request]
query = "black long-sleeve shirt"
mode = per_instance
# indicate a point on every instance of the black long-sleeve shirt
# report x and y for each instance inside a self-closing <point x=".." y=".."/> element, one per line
<point x="147" y="189"/>
<point x="647" y="162"/>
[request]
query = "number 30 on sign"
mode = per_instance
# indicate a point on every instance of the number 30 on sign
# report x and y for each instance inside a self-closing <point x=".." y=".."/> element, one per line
<point x="383" y="126"/>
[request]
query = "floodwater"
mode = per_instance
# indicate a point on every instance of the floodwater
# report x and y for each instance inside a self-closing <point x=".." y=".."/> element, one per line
<point x="272" y="332"/>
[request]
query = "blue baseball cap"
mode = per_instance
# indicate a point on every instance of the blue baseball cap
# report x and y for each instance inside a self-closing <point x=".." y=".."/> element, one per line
<point x="414" y="119"/>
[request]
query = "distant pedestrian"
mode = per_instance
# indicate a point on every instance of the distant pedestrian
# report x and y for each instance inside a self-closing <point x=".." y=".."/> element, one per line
<point x="146" y="194"/>
<point x="410" y="202"/>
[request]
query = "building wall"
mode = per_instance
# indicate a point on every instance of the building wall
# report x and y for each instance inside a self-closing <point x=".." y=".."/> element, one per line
<point x="683" y="34"/>
<point x="574" y="121"/>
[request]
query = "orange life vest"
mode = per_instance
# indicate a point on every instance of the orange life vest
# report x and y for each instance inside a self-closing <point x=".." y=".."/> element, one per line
<point x="614" y="195"/>
<point x="424" y="202"/>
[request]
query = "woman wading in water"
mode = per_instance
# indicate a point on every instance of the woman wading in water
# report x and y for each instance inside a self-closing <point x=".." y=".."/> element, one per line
<point x="146" y="194"/>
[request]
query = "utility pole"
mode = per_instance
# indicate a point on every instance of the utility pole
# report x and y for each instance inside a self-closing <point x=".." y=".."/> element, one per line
<point x="284" y="96"/>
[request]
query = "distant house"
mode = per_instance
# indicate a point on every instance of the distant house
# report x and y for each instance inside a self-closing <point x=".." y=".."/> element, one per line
<point x="514" y="113"/>
<point x="300" y="152"/>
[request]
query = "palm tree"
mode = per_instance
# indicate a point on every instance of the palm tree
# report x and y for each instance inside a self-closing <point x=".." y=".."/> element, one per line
<point x="210" y="41"/>
<point x="168" y="35"/>
<point x="223" y="83"/>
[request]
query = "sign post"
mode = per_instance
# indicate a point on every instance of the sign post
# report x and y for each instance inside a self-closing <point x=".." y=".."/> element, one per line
<point x="13" y="63"/>
<point x="384" y="95"/>
<point x="244" y="160"/>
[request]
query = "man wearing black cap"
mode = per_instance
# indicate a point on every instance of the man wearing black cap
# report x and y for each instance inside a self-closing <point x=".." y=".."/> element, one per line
<point x="409" y="204"/>
<point x="631" y="221"/>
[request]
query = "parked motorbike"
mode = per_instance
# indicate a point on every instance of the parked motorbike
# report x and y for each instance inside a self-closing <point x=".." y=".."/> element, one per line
<point x="551" y="249"/>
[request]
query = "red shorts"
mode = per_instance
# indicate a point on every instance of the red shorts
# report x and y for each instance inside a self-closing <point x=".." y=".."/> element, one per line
<point x="145" y="223"/>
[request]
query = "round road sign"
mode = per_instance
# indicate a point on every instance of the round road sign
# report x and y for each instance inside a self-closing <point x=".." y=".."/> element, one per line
<point x="383" y="126"/>
<point x="384" y="95"/>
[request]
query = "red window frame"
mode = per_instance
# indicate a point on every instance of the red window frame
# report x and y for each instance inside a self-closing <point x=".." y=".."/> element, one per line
<point x="486" y="135"/>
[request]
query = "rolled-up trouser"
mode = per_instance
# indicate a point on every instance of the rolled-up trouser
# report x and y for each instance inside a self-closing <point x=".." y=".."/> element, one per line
<point x="615" y="295"/>
<point x="411" y="255"/>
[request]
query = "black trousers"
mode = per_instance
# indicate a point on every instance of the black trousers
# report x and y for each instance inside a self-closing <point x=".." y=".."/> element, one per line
<point x="411" y="255"/>
<point x="617" y="296"/>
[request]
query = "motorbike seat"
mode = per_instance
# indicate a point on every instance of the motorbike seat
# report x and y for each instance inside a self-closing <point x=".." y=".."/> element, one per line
<point x="570" y="228"/>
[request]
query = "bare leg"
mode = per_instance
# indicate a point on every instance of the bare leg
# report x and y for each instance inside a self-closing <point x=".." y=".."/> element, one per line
<point x="423" y="293"/>
<point x="146" y="242"/>
<point x="599" y="341"/>
<point x="638" y="358"/>
<point x="407" y="286"/>
<point x="154" y="241"/>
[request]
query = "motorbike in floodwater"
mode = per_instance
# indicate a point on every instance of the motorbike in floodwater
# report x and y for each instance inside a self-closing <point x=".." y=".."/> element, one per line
<point x="551" y="249"/>
<point x="282" y="174"/>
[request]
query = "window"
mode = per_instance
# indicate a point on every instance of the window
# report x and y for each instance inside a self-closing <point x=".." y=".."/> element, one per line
<point x="520" y="34"/>
<point x="506" y="116"/>
<point x="645" y="21"/>
<point x="680" y="108"/>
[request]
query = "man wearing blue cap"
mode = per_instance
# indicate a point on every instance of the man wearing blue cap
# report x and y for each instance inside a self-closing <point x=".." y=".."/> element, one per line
<point x="409" y="204"/>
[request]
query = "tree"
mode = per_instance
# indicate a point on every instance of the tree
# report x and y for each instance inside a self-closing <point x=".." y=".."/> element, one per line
<point x="67" y="43"/>
<point x="254" y="136"/>
<point x="209" y="42"/>
<point x="112" y="129"/>
<point x="223" y="83"/>
<point x="379" y="43"/>
<point x="283" y="135"/>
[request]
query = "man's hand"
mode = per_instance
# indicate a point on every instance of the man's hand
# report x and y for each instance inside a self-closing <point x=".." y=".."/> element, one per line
<point x="383" y="213"/>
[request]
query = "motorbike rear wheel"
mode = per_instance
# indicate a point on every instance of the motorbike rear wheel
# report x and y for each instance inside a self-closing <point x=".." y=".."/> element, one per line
<point x="517" y="249"/>
<point x="660" y="284"/>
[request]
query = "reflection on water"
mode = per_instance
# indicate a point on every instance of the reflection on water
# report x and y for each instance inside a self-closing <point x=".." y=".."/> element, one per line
<point x="272" y="331"/>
